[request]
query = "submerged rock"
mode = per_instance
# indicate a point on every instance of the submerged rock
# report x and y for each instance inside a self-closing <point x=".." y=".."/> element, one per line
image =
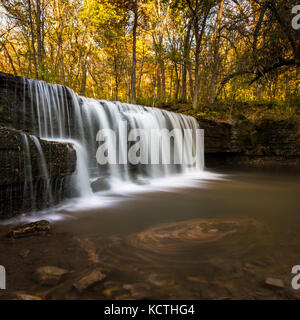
<point x="274" y="282"/>
<point x="28" y="229"/>
<point x="139" y="290"/>
<point x="89" y="279"/>
<point x="25" y="296"/>
<point x="101" y="184"/>
<point x="49" y="275"/>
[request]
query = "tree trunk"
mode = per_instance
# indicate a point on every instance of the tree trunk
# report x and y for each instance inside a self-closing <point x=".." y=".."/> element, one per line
<point x="154" y="85"/>
<point x="116" y="78"/>
<point x="133" y="74"/>
<point x="177" y="82"/>
<point x="216" y="45"/>
<point x="171" y="86"/>
<point x="158" y="84"/>
<point x="39" y="37"/>
<point x="198" y="37"/>
<point x="191" y="82"/>
<point x="83" y="79"/>
<point x="163" y="82"/>
<point x="32" y="35"/>
<point x="9" y="59"/>
<point x="186" y="53"/>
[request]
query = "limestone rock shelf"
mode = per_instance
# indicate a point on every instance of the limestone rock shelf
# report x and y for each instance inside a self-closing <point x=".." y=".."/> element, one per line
<point x="263" y="143"/>
<point x="18" y="176"/>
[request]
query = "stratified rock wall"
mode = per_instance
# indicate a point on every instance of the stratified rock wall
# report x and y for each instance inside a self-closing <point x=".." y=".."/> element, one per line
<point x="24" y="184"/>
<point x="17" y="109"/>
<point x="266" y="142"/>
<point x="23" y="189"/>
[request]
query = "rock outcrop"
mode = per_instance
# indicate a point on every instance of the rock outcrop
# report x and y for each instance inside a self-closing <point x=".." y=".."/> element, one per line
<point x="24" y="183"/>
<point x="266" y="142"/>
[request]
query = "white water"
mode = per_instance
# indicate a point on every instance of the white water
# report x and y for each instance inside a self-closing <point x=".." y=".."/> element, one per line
<point x="59" y="114"/>
<point x="43" y="169"/>
<point x="28" y="190"/>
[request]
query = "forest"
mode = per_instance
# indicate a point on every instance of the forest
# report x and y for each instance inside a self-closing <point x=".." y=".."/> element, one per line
<point x="207" y="57"/>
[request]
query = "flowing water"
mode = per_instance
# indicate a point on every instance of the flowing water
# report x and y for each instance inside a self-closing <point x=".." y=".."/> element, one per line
<point x="162" y="231"/>
<point x="58" y="114"/>
<point x="211" y="236"/>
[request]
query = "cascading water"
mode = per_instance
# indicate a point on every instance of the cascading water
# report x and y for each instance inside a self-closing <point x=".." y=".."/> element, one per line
<point x="28" y="190"/>
<point x="59" y="114"/>
<point x="43" y="171"/>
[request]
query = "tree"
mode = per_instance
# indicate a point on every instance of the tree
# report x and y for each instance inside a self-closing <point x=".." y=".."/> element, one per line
<point x="199" y="11"/>
<point x="133" y="73"/>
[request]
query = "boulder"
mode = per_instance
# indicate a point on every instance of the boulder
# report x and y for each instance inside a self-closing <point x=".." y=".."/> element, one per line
<point x="30" y="229"/>
<point x="274" y="282"/>
<point x="89" y="279"/>
<point x="49" y="275"/>
<point x="101" y="184"/>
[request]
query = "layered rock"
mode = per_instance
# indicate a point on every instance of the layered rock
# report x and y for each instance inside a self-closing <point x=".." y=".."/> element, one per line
<point x="266" y="142"/>
<point x="24" y="184"/>
<point x="18" y="107"/>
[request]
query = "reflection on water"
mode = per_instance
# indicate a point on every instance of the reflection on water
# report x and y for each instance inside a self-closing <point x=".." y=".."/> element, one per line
<point x="213" y="238"/>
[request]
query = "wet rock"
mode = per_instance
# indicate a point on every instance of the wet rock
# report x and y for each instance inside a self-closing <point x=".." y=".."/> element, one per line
<point x="141" y="182"/>
<point x="100" y="184"/>
<point x="138" y="290"/>
<point x="250" y="268"/>
<point x="61" y="163"/>
<point x="274" y="282"/>
<point x="110" y="288"/>
<point x="194" y="279"/>
<point x="89" y="279"/>
<point x="29" y="229"/>
<point x="89" y="247"/>
<point x="49" y="275"/>
<point x="25" y="296"/>
<point x="154" y="279"/>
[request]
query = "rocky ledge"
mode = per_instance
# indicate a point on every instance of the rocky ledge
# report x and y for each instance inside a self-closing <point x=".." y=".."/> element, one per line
<point x="263" y="143"/>
<point x="29" y="180"/>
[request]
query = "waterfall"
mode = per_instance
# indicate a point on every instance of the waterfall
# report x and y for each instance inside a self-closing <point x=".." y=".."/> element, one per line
<point x="28" y="188"/>
<point x="59" y="114"/>
<point x="82" y="175"/>
<point x="46" y="187"/>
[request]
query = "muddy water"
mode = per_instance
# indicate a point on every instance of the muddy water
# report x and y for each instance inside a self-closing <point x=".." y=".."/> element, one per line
<point x="214" y="238"/>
